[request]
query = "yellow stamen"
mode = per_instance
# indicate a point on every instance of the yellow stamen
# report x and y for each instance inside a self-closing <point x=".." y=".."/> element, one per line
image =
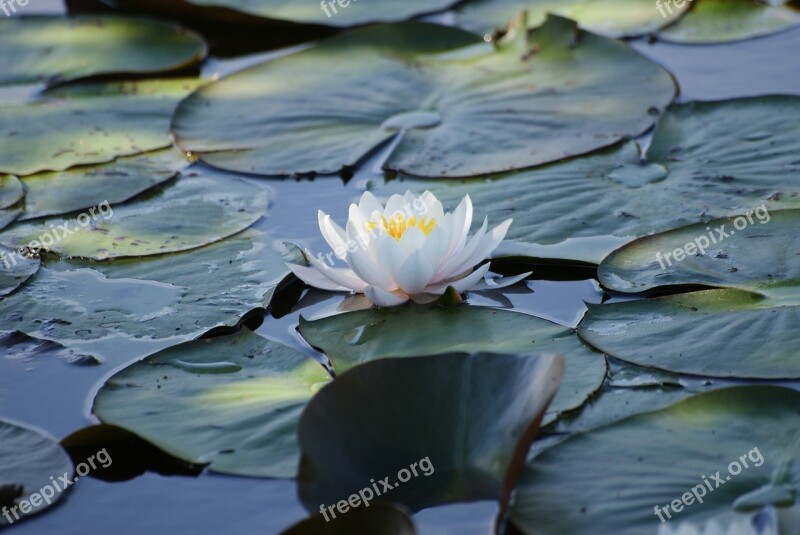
<point x="396" y="227"/>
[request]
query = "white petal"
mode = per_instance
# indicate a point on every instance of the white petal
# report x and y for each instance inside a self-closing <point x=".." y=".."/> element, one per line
<point x="413" y="239"/>
<point x="366" y="267"/>
<point x="435" y="248"/>
<point x="453" y="265"/>
<point x="461" y="223"/>
<point x="340" y="276"/>
<point x="370" y="206"/>
<point x="362" y="239"/>
<point x="462" y="285"/>
<point x="314" y="278"/>
<point x="500" y="282"/>
<point x="433" y="207"/>
<point x="415" y="273"/>
<point x="487" y="245"/>
<point x="424" y="298"/>
<point x="396" y="207"/>
<point x="334" y="234"/>
<point x="382" y="298"/>
<point x="391" y="256"/>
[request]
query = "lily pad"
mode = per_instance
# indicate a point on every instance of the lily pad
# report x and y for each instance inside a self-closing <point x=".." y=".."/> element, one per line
<point x="182" y="294"/>
<point x="455" y="105"/>
<point x="669" y="450"/>
<point x="59" y="49"/>
<point x="11" y="191"/>
<point x="15" y="269"/>
<point x="231" y="401"/>
<point x="614" y="18"/>
<point x="721" y="158"/>
<point x="719" y="21"/>
<point x="466" y="421"/>
<point x="412" y="330"/>
<point x="192" y="212"/>
<point x="377" y="519"/>
<point x="28" y="461"/>
<point x="88" y="124"/>
<point x="84" y="187"/>
<point x="338" y="14"/>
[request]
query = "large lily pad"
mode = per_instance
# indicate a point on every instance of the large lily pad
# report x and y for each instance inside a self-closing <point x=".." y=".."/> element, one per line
<point x="744" y="331"/>
<point x="58" y="49"/>
<point x="15" y="269"/>
<point x="718" y="21"/>
<point x="182" y="294"/>
<point x="83" y="187"/>
<point x="706" y="160"/>
<point x="28" y="461"/>
<point x="466" y="420"/>
<point x="357" y="337"/>
<point x="658" y="457"/>
<point x="87" y="124"/>
<point x="346" y="13"/>
<point x="615" y="18"/>
<point x="471" y="108"/>
<point x="231" y="401"/>
<point x="194" y="211"/>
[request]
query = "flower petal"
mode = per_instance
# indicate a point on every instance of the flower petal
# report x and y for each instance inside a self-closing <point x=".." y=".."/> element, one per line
<point x="341" y="276"/>
<point x="415" y="273"/>
<point x="462" y="285"/>
<point x="499" y="282"/>
<point x="435" y="248"/>
<point x="370" y="206"/>
<point x="365" y="265"/>
<point x="391" y="256"/>
<point x="486" y="246"/>
<point x="413" y="239"/>
<point x="314" y="278"/>
<point x="461" y="223"/>
<point x="454" y="263"/>
<point x="334" y="235"/>
<point x="382" y="298"/>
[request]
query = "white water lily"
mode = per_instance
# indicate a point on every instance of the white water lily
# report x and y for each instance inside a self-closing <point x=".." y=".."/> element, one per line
<point x="408" y="249"/>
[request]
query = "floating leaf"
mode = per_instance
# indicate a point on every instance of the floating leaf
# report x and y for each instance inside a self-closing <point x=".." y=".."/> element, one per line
<point x="231" y="401"/>
<point x="28" y="463"/>
<point x="358" y="337"/>
<point x="658" y="458"/>
<point x="84" y="187"/>
<point x="473" y="108"/>
<point x="719" y="21"/>
<point x="59" y="49"/>
<point x="192" y="212"/>
<point x="721" y="158"/>
<point x="183" y="294"/>
<point x="465" y="420"/>
<point x="615" y="18"/>
<point x="15" y="269"/>
<point x="11" y="191"/>
<point x="377" y="519"/>
<point x="87" y="124"/>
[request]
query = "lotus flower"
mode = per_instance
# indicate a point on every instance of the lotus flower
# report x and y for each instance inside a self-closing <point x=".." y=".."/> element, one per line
<point x="409" y="249"/>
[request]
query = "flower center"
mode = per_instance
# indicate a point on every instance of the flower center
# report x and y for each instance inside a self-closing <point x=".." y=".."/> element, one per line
<point x="397" y="226"/>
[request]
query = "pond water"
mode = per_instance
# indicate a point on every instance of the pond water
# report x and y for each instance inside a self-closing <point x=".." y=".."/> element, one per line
<point x="51" y="394"/>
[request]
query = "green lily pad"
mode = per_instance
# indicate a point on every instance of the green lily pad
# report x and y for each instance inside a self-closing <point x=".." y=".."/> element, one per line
<point x="412" y="330"/>
<point x="721" y="158"/>
<point x="59" y="49"/>
<point x="88" y="124"/>
<point x="193" y="212"/>
<point x="614" y="18"/>
<point x="158" y="297"/>
<point x="15" y="269"/>
<point x="658" y="458"/>
<point x="462" y="423"/>
<point x="719" y="21"/>
<point x="377" y="519"/>
<point x="83" y="187"/>
<point x="11" y="191"/>
<point x="338" y="14"/>
<point x="231" y="401"/>
<point x="28" y="461"/>
<point x="461" y="107"/>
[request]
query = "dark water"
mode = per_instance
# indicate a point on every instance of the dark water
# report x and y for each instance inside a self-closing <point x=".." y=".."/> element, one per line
<point x="40" y="389"/>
